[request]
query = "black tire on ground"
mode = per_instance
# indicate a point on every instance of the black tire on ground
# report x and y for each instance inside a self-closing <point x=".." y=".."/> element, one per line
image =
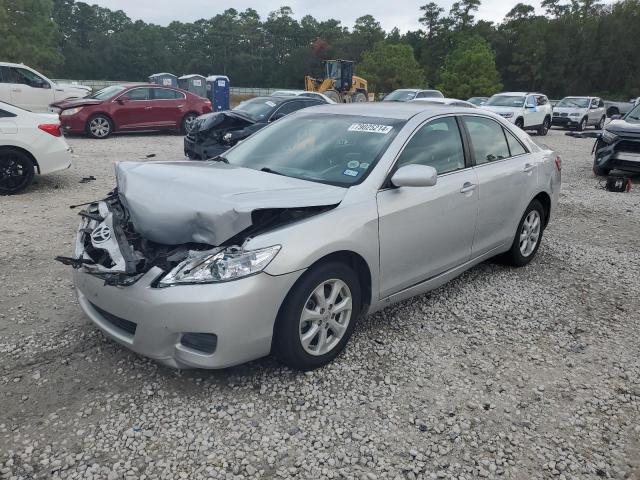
<point x="287" y="343"/>
<point x="582" y="125"/>
<point x="520" y="123"/>
<point x="515" y="256"/>
<point x="544" y="128"/>
<point x="99" y="126"/>
<point x="358" y="97"/>
<point x="601" y="171"/>
<point x="16" y="171"/>
<point x="187" y="122"/>
<point x="600" y="124"/>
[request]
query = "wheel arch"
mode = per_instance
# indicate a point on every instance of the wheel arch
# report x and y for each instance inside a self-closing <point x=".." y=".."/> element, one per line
<point x="545" y="200"/>
<point x="22" y="150"/>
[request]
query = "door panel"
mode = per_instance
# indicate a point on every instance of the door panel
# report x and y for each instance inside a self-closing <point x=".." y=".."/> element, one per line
<point x="425" y="231"/>
<point x="532" y="116"/>
<point x="505" y="183"/>
<point x="168" y="107"/>
<point x="136" y="111"/>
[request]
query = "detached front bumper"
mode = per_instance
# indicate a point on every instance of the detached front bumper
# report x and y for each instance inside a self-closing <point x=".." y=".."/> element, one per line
<point x="202" y="151"/>
<point x="153" y="321"/>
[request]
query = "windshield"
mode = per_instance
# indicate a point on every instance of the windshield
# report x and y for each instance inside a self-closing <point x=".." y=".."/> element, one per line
<point x="107" y="92"/>
<point x="573" y="102"/>
<point x="634" y="115"/>
<point x="505" y="101"/>
<point x="256" y="108"/>
<point x="335" y="149"/>
<point x="400" y="96"/>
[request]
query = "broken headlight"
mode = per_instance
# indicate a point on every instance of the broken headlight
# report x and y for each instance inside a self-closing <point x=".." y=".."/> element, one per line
<point x="228" y="264"/>
<point x="609" y="137"/>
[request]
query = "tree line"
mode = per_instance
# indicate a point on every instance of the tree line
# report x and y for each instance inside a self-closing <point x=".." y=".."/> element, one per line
<point x="576" y="47"/>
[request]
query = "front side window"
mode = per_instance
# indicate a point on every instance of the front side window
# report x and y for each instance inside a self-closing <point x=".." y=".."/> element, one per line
<point x="27" y="77"/>
<point x="290" y="107"/>
<point x="335" y="149"/>
<point x="259" y="109"/>
<point x="437" y="144"/>
<point x="488" y="141"/>
<point x="138" y="94"/>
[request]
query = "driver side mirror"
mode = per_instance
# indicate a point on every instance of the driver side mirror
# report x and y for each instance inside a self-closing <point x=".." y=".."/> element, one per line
<point x="415" y="176"/>
<point x="122" y="100"/>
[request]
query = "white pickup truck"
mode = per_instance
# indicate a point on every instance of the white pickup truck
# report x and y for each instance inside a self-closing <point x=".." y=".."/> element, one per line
<point x="26" y="88"/>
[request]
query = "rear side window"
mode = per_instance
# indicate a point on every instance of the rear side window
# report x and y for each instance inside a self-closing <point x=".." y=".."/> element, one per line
<point x="437" y="144"/>
<point x="167" y="94"/>
<point x="515" y="147"/>
<point x="5" y="114"/>
<point x="488" y="141"/>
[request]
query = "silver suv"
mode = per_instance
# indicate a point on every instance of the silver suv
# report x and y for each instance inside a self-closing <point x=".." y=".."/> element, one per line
<point x="580" y="113"/>
<point x="329" y="213"/>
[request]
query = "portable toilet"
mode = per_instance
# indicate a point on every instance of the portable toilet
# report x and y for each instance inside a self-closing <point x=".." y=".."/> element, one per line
<point x="218" y="88"/>
<point x="195" y="84"/>
<point x="165" y="79"/>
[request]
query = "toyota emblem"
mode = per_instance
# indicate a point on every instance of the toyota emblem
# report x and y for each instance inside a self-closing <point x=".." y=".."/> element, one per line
<point x="101" y="234"/>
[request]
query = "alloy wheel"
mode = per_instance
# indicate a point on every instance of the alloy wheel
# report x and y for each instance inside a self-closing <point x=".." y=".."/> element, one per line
<point x="325" y="317"/>
<point x="530" y="233"/>
<point x="13" y="173"/>
<point x="99" y="127"/>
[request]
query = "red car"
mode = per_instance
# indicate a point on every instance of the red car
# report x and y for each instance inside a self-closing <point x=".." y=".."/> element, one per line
<point x="130" y="107"/>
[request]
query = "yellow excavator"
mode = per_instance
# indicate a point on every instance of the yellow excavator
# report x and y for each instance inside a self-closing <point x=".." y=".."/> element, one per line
<point x="338" y="82"/>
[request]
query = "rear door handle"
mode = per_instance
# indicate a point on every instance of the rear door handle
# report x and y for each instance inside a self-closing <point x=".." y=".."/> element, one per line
<point x="468" y="187"/>
<point x="528" y="167"/>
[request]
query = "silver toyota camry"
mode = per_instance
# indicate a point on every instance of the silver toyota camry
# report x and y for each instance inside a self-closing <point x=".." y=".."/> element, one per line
<point x="280" y="245"/>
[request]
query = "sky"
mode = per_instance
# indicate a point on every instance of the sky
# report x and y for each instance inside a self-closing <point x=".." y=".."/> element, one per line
<point x="403" y="14"/>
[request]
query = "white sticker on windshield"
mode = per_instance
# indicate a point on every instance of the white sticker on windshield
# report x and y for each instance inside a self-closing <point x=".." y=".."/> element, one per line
<point x="353" y="164"/>
<point x="270" y="103"/>
<point x="370" y="127"/>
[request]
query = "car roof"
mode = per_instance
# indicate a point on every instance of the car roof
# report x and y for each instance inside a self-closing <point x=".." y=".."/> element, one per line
<point x="395" y="110"/>
<point x="520" y="93"/>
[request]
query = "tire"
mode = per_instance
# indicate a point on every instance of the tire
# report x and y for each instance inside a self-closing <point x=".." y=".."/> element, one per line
<point x="601" y="171"/>
<point x="16" y="171"/>
<point x="187" y="122"/>
<point x="600" y="124"/>
<point x="520" y="123"/>
<point x="532" y="222"/>
<point x="333" y="95"/>
<point x="99" y="126"/>
<point x="358" y="97"/>
<point x="305" y="299"/>
<point x="544" y="128"/>
<point x="582" y="126"/>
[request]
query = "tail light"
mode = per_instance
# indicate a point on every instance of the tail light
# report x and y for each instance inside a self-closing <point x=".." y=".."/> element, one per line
<point x="207" y="102"/>
<point x="51" y="129"/>
<point x="558" y="162"/>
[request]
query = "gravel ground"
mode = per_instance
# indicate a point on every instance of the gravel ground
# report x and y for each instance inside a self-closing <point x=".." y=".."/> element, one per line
<point x="503" y="373"/>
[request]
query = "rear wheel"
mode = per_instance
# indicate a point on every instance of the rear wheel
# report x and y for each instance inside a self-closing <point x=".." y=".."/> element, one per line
<point x="333" y="95"/>
<point x="187" y="122"/>
<point x="358" y="97"/>
<point x="99" y="126"/>
<point x="317" y="317"/>
<point x="520" y="123"/>
<point x="528" y="236"/>
<point x="16" y="171"/>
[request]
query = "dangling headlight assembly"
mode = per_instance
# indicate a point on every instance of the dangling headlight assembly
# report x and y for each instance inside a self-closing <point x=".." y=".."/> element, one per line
<point x="228" y="264"/>
<point x="609" y="137"/>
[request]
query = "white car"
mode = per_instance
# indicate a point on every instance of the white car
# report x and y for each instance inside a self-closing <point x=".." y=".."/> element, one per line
<point x="579" y="113"/>
<point x="302" y="93"/>
<point x="527" y="110"/>
<point x="444" y="101"/>
<point x="25" y="87"/>
<point x="30" y="143"/>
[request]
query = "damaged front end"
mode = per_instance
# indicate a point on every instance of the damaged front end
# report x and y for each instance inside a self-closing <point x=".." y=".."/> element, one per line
<point x="214" y="133"/>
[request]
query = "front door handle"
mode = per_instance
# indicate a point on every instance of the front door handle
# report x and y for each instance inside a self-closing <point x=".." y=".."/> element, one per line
<point x="148" y="108"/>
<point x="528" y="167"/>
<point x="468" y="187"/>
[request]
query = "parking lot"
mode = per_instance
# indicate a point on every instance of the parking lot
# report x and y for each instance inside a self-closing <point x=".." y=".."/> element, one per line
<point x="502" y="373"/>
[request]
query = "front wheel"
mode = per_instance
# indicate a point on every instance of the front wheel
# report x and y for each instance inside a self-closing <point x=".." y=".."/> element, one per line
<point x="358" y="97"/>
<point x="16" y="171"/>
<point x="520" y="123"/>
<point x="99" y="126"/>
<point x="544" y="128"/>
<point x="317" y="317"/>
<point x="600" y="124"/>
<point x="187" y="122"/>
<point x="528" y="236"/>
<point x="582" y="125"/>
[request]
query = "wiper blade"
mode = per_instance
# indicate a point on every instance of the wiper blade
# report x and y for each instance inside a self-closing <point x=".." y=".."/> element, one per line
<point x="218" y="158"/>
<point x="634" y="117"/>
<point x="268" y="170"/>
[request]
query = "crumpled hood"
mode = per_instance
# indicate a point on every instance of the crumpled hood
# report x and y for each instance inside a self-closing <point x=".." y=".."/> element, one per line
<point x="224" y="119"/>
<point x="208" y="202"/>
<point x="623" y="128"/>
<point x="76" y="102"/>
